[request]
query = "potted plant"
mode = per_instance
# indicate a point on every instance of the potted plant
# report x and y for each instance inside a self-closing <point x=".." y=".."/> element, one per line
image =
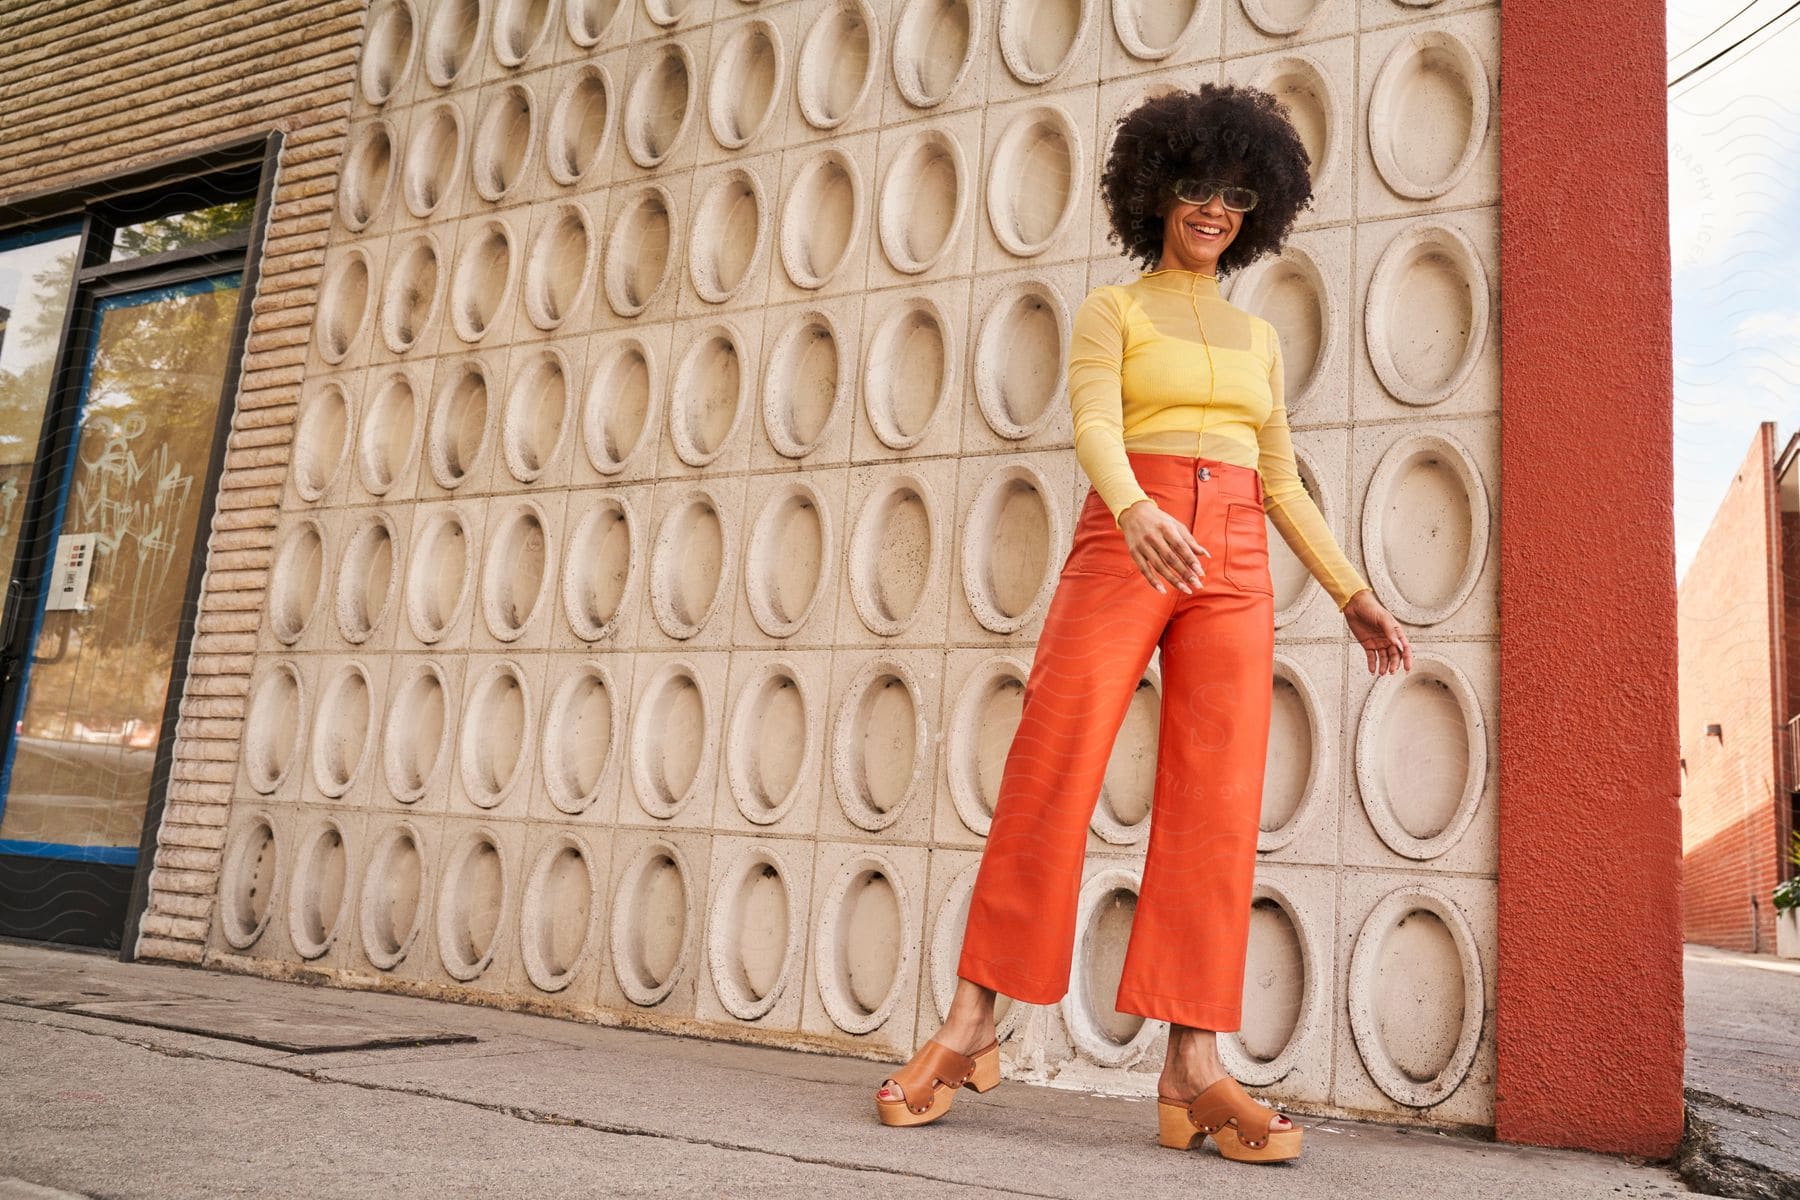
<point x="1787" y="906"/>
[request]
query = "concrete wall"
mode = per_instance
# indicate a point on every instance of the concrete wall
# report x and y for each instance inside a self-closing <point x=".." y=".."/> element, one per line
<point x="674" y="470"/>
<point x="1730" y="805"/>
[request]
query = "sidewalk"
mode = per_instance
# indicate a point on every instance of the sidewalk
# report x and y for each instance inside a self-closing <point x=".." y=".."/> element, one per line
<point x="1743" y="1073"/>
<point x="547" y="1108"/>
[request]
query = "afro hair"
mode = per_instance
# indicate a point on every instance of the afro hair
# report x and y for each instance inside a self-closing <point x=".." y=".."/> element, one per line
<point x="1229" y="131"/>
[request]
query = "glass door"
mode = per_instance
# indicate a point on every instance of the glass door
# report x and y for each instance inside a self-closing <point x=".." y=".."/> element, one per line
<point x="90" y="686"/>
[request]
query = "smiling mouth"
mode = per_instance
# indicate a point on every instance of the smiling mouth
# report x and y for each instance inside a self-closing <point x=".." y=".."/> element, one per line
<point x="1206" y="231"/>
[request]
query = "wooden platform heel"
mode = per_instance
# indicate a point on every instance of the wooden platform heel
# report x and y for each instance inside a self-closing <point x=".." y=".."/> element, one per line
<point x="1235" y="1119"/>
<point x="930" y="1079"/>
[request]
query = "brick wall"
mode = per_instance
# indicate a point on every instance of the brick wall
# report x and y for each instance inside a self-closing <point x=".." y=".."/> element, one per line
<point x="1728" y="804"/>
<point x="91" y="89"/>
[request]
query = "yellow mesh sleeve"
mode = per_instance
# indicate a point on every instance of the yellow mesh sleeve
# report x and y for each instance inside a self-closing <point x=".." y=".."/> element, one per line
<point x="1096" y="398"/>
<point x="1298" y="520"/>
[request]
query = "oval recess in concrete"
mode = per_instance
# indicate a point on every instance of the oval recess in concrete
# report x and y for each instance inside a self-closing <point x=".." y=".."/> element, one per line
<point x="808" y="383"/>
<point x="1431" y="271"/>
<point x="639" y="258"/>
<point x="367" y="179"/>
<point x="1281" y="17"/>
<point x="909" y="373"/>
<point x="1031" y="186"/>
<point x="1428" y="113"/>
<point x="340" y="741"/>
<point x="772" y="739"/>
<point x="881" y="744"/>
<point x="1040" y="38"/>
<point x="947" y="930"/>
<point x="730" y="235"/>
<point x="1152" y="30"/>
<point x="599" y="570"/>
<point x="1315" y="109"/>
<point x="984" y="719"/>
<point x="297" y="580"/>
<point x="1025" y="328"/>
<point x="653" y="917"/>
<point x="1287" y="995"/>
<point x="822" y="218"/>
<point x="1425" y="527"/>
<point x="318" y="894"/>
<point x="535" y="421"/>
<point x="471" y="900"/>
<point x="746" y="83"/>
<point x="273" y="721"/>
<point x="1421" y="757"/>
<point x="690" y="560"/>
<point x="390" y="49"/>
<point x="247" y="888"/>
<point x="1122" y="815"/>
<point x="865" y="943"/>
<point x="389" y="432"/>
<point x="1299" y="757"/>
<point x="1012" y="532"/>
<point x="394" y="888"/>
<point x="366" y="577"/>
<point x="934" y="47"/>
<point x="435" y="148"/>
<point x="669" y="12"/>
<point x="558" y="915"/>
<point x="578" y="135"/>
<point x="506" y="134"/>
<point x="481" y="288"/>
<point x="710" y="394"/>
<point x="1102" y="1035"/>
<point x="344" y="303"/>
<point x="439" y="573"/>
<point x="619" y="412"/>
<point x="1415" y="993"/>
<point x="590" y="22"/>
<point x="516" y="568"/>
<point x="790" y="548"/>
<point x="321" y="440"/>
<point x="519" y="28"/>
<point x="756" y="931"/>
<point x="413" y="292"/>
<point x="558" y="265"/>
<point x="835" y="70"/>
<point x="893" y="552"/>
<point x="583" y="722"/>
<point x="496" y="734"/>
<point x="1290" y="292"/>
<point x="459" y="424"/>
<point x="452" y="39"/>
<point x="415" y="737"/>
<point x="673" y="737"/>
<point x="659" y="106"/>
<point x="923" y="199"/>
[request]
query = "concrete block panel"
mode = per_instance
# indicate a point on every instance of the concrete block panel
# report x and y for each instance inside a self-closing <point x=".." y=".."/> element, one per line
<point x="712" y="396"/>
<point x="732" y="235"/>
<point x="1035" y="154"/>
<point x="1017" y="382"/>
<point x="369" y="181"/>
<point x="523" y="36"/>
<point x="349" y="290"/>
<point x="677" y="711"/>
<point x="658" y="889"/>
<point x="1305" y="293"/>
<point x="645" y="248"/>
<point x="433" y="161"/>
<point x="442" y="577"/>
<point x="277" y="720"/>
<point x="773" y="751"/>
<point x="862" y="976"/>
<point x="253" y="879"/>
<point x="1306" y="757"/>
<point x="759" y="896"/>
<point x="693" y="564"/>
<point x="583" y="743"/>
<point x="563" y="917"/>
<point x="914" y="366"/>
<point x="927" y="200"/>
<point x="827" y="205"/>
<point x="623" y="405"/>
<point x="897" y="554"/>
<point x="793" y="536"/>
<point x="1044" y="46"/>
<point x="475" y="916"/>
<point x="601" y="593"/>
<point x="983" y="696"/>
<point x="454" y="48"/>
<point x="365" y="596"/>
<point x="561" y="271"/>
<point x="840" y="53"/>
<point x="516" y="604"/>
<point x="539" y="417"/>
<point x="327" y="860"/>
<point x="941" y="56"/>
<point x="468" y="393"/>
<point x="396" y="899"/>
<point x="1150" y="35"/>
<point x="417" y="755"/>
<point x="1284" y="1046"/>
<point x="393" y="43"/>
<point x="882" y="744"/>
<point x="390" y="434"/>
<point x="1012" y="535"/>
<point x="581" y="127"/>
<point x="297" y="607"/>
<point x="343" y="750"/>
<point x="497" y="735"/>
<point x="806" y="387"/>
<point x="1254" y="26"/>
<point x="662" y="118"/>
<point x="1303" y="609"/>
<point x="749" y="82"/>
<point x="597" y="25"/>
<point x="1312" y="82"/>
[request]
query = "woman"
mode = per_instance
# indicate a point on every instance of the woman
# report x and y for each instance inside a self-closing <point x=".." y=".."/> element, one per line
<point x="1181" y="426"/>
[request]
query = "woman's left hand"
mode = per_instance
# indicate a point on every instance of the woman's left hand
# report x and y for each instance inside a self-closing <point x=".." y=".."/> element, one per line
<point x="1378" y="633"/>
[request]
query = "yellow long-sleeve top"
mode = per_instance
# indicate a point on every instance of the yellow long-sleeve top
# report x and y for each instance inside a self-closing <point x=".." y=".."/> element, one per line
<point x="1139" y="379"/>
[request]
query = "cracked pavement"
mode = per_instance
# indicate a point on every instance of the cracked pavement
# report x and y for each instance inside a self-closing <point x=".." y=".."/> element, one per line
<point x="538" y="1106"/>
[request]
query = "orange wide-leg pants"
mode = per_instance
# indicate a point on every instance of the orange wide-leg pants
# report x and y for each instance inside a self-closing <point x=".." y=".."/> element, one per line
<point x="1184" y="962"/>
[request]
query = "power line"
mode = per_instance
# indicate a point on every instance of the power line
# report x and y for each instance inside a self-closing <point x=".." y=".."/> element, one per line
<point x="1727" y="50"/>
<point x="1717" y="29"/>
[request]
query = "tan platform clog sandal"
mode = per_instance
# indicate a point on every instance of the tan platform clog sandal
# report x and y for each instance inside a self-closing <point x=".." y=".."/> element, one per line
<point x="1237" y="1121"/>
<point x="930" y="1079"/>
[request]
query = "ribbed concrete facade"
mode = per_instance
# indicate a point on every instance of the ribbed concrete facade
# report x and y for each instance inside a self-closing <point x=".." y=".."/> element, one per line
<point x="680" y="467"/>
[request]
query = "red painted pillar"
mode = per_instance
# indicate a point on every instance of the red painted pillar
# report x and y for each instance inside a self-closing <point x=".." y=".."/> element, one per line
<point x="1590" y="1034"/>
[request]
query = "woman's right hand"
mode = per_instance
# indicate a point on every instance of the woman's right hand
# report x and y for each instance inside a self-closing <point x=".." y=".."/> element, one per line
<point x="1162" y="546"/>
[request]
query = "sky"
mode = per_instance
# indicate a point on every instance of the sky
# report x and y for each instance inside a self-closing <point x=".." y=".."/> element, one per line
<point x="1734" y="240"/>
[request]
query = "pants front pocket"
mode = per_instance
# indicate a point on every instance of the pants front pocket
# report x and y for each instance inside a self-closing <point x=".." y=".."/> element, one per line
<point x="1098" y="547"/>
<point x="1247" y="549"/>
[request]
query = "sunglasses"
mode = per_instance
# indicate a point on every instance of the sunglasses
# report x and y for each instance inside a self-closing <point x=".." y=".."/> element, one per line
<point x="1201" y="191"/>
